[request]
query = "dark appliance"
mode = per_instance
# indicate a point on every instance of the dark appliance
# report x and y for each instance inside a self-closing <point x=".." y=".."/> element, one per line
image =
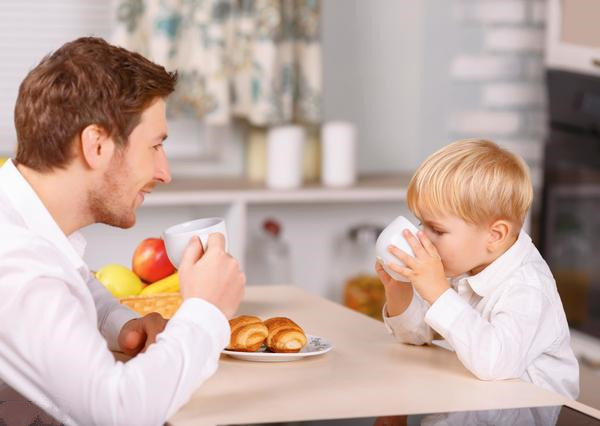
<point x="570" y="219"/>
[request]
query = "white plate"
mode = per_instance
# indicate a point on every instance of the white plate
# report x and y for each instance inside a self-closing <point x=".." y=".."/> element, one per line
<point x="314" y="346"/>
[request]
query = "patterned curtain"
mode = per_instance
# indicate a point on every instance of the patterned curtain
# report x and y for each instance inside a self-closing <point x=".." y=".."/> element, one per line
<point x="255" y="59"/>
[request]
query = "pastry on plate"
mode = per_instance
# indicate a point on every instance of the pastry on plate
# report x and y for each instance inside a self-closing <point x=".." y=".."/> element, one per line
<point x="248" y="333"/>
<point x="284" y="335"/>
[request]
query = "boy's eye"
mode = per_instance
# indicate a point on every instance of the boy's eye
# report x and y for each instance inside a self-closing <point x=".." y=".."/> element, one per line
<point x="434" y="230"/>
<point x="157" y="147"/>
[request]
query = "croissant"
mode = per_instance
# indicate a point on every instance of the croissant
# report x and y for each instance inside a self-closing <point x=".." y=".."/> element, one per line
<point x="248" y="333"/>
<point x="284" y="335"/>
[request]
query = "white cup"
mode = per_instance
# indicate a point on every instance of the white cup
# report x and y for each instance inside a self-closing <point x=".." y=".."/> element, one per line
<point x="392" y="235"/>
<point x="338" y="154"/>
<point x="177" y="237"/>
<point x="285" y="155"/>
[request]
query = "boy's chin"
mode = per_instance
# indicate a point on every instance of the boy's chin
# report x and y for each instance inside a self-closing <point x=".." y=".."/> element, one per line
<point x="454" y="274"/>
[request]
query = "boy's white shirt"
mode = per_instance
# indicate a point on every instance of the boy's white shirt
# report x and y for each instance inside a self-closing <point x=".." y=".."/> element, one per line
<point x="505" y="322"/>
<point x="57" y="323"/>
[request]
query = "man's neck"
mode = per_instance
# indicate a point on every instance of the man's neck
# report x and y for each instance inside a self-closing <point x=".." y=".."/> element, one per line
<point x="63" y="194"/>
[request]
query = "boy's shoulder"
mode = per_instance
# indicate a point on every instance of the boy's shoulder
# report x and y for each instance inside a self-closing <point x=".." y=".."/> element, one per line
<point x="532" y="271"/>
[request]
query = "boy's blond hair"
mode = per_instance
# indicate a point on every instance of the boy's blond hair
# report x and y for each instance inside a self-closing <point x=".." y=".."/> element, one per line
<point x="475" y="180"/>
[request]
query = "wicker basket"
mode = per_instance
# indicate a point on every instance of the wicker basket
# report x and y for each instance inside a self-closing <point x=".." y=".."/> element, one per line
<point x="165" y="304"/>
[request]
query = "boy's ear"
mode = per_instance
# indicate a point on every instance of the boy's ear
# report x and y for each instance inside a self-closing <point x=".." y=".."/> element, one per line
<point x="96" y="147"/>
<point x="499" y="233"/>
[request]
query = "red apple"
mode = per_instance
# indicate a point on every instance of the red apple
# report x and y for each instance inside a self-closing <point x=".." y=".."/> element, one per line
<point x="150" y="261"/>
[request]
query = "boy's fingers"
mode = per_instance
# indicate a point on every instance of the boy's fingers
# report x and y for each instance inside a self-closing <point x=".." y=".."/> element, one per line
<point x="414" y="243"/>
<point x="403" y="256"/>
<point x="408" y="273"/>
<point x="427" y="244"/>
<point x="383" y="276"/>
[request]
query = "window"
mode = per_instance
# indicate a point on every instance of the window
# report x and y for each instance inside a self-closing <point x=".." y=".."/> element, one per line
<point x="31" y="29"/>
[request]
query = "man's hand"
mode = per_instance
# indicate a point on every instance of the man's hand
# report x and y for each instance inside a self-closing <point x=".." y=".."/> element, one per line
<point x="213" y="275"/>
<point x="425" y="271"/>
<point x="139" y="333"/>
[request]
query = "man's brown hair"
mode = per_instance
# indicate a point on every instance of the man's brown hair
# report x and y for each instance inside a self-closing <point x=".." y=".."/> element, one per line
<point x="86" y="81"/>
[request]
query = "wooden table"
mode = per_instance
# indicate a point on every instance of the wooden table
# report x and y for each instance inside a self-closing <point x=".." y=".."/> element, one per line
<point x="366" y="374"/>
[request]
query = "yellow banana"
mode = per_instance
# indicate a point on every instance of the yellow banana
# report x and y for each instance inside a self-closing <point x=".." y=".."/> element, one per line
<point x="169" y="284"/>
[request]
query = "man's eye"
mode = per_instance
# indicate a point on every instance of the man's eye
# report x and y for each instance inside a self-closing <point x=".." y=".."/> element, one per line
<point x="438" y="232"/>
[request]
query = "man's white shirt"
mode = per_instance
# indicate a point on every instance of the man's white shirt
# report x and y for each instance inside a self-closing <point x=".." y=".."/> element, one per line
<point x="505" y="322"/>
<point x="58" y="324"/>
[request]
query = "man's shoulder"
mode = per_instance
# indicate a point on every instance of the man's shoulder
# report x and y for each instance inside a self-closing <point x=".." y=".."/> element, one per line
<point x="23" y="249"/>
<point x="15" y="235"/>
<point x="7" y="212"/>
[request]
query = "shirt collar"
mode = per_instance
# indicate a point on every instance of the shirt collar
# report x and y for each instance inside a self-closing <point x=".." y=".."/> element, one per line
<point x="37" y="217"/>
<point x="494" y="275"/>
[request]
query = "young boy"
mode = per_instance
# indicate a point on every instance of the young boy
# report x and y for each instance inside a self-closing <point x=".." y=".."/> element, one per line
<point x="476" y="278"/>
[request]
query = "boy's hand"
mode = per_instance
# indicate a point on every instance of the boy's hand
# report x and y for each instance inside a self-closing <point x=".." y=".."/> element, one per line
<point x="425" y="271"/>
<point x="398" y="295"/>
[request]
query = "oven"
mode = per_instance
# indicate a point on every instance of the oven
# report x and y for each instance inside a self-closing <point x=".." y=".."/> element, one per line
<point x="570" y="237"/>
<point x="570" y="215"/>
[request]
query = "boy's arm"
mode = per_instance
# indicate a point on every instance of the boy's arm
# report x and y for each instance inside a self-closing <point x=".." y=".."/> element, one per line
<point x="497" y="349"/>
<point x="404" y="311"/>
<point x="410" y="326"/>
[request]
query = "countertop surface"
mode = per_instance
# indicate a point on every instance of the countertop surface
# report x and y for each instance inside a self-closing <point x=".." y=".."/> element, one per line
<point x="366" y="374"/>
<point x="183" y="191"/>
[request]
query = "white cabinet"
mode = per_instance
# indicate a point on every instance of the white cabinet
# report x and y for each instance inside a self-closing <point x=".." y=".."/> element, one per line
<point x="572" y="36"/>
<point x="312" y="218"/>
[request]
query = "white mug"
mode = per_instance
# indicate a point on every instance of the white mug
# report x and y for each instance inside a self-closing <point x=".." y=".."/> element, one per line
<point x="177" y="237"/>
<point x="392" y="235"/>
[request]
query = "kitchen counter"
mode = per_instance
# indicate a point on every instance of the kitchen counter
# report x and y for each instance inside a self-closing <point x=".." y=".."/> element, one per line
<point x="366" y="374"/>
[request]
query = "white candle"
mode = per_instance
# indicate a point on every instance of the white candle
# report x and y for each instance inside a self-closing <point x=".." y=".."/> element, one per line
<point x="338" y="142"/>
<point x="284" y="157"/>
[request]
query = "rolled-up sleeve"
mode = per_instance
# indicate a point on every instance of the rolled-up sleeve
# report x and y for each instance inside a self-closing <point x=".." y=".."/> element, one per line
<point x="64" y="365"/>
<point x="112" y="315"/>
<point x="496" y="349"/>
<point x="409" y="326"/>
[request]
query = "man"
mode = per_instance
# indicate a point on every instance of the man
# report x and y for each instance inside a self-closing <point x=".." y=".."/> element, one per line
<point x="90" y="121"/>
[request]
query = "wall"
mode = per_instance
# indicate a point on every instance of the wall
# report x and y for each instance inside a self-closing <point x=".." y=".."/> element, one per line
<point x="412" y="74"/>
<point x="372" y="76"/>
<point x="497" y="73"/>
<point x="415" y="75"/>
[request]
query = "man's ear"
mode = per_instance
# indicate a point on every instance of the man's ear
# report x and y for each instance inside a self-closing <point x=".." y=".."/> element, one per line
<point x="96" y="147"/>
<point x="499" y="233"/>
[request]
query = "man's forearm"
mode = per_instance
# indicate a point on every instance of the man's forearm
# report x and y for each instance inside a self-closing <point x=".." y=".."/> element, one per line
<point x="112" y="315"/>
